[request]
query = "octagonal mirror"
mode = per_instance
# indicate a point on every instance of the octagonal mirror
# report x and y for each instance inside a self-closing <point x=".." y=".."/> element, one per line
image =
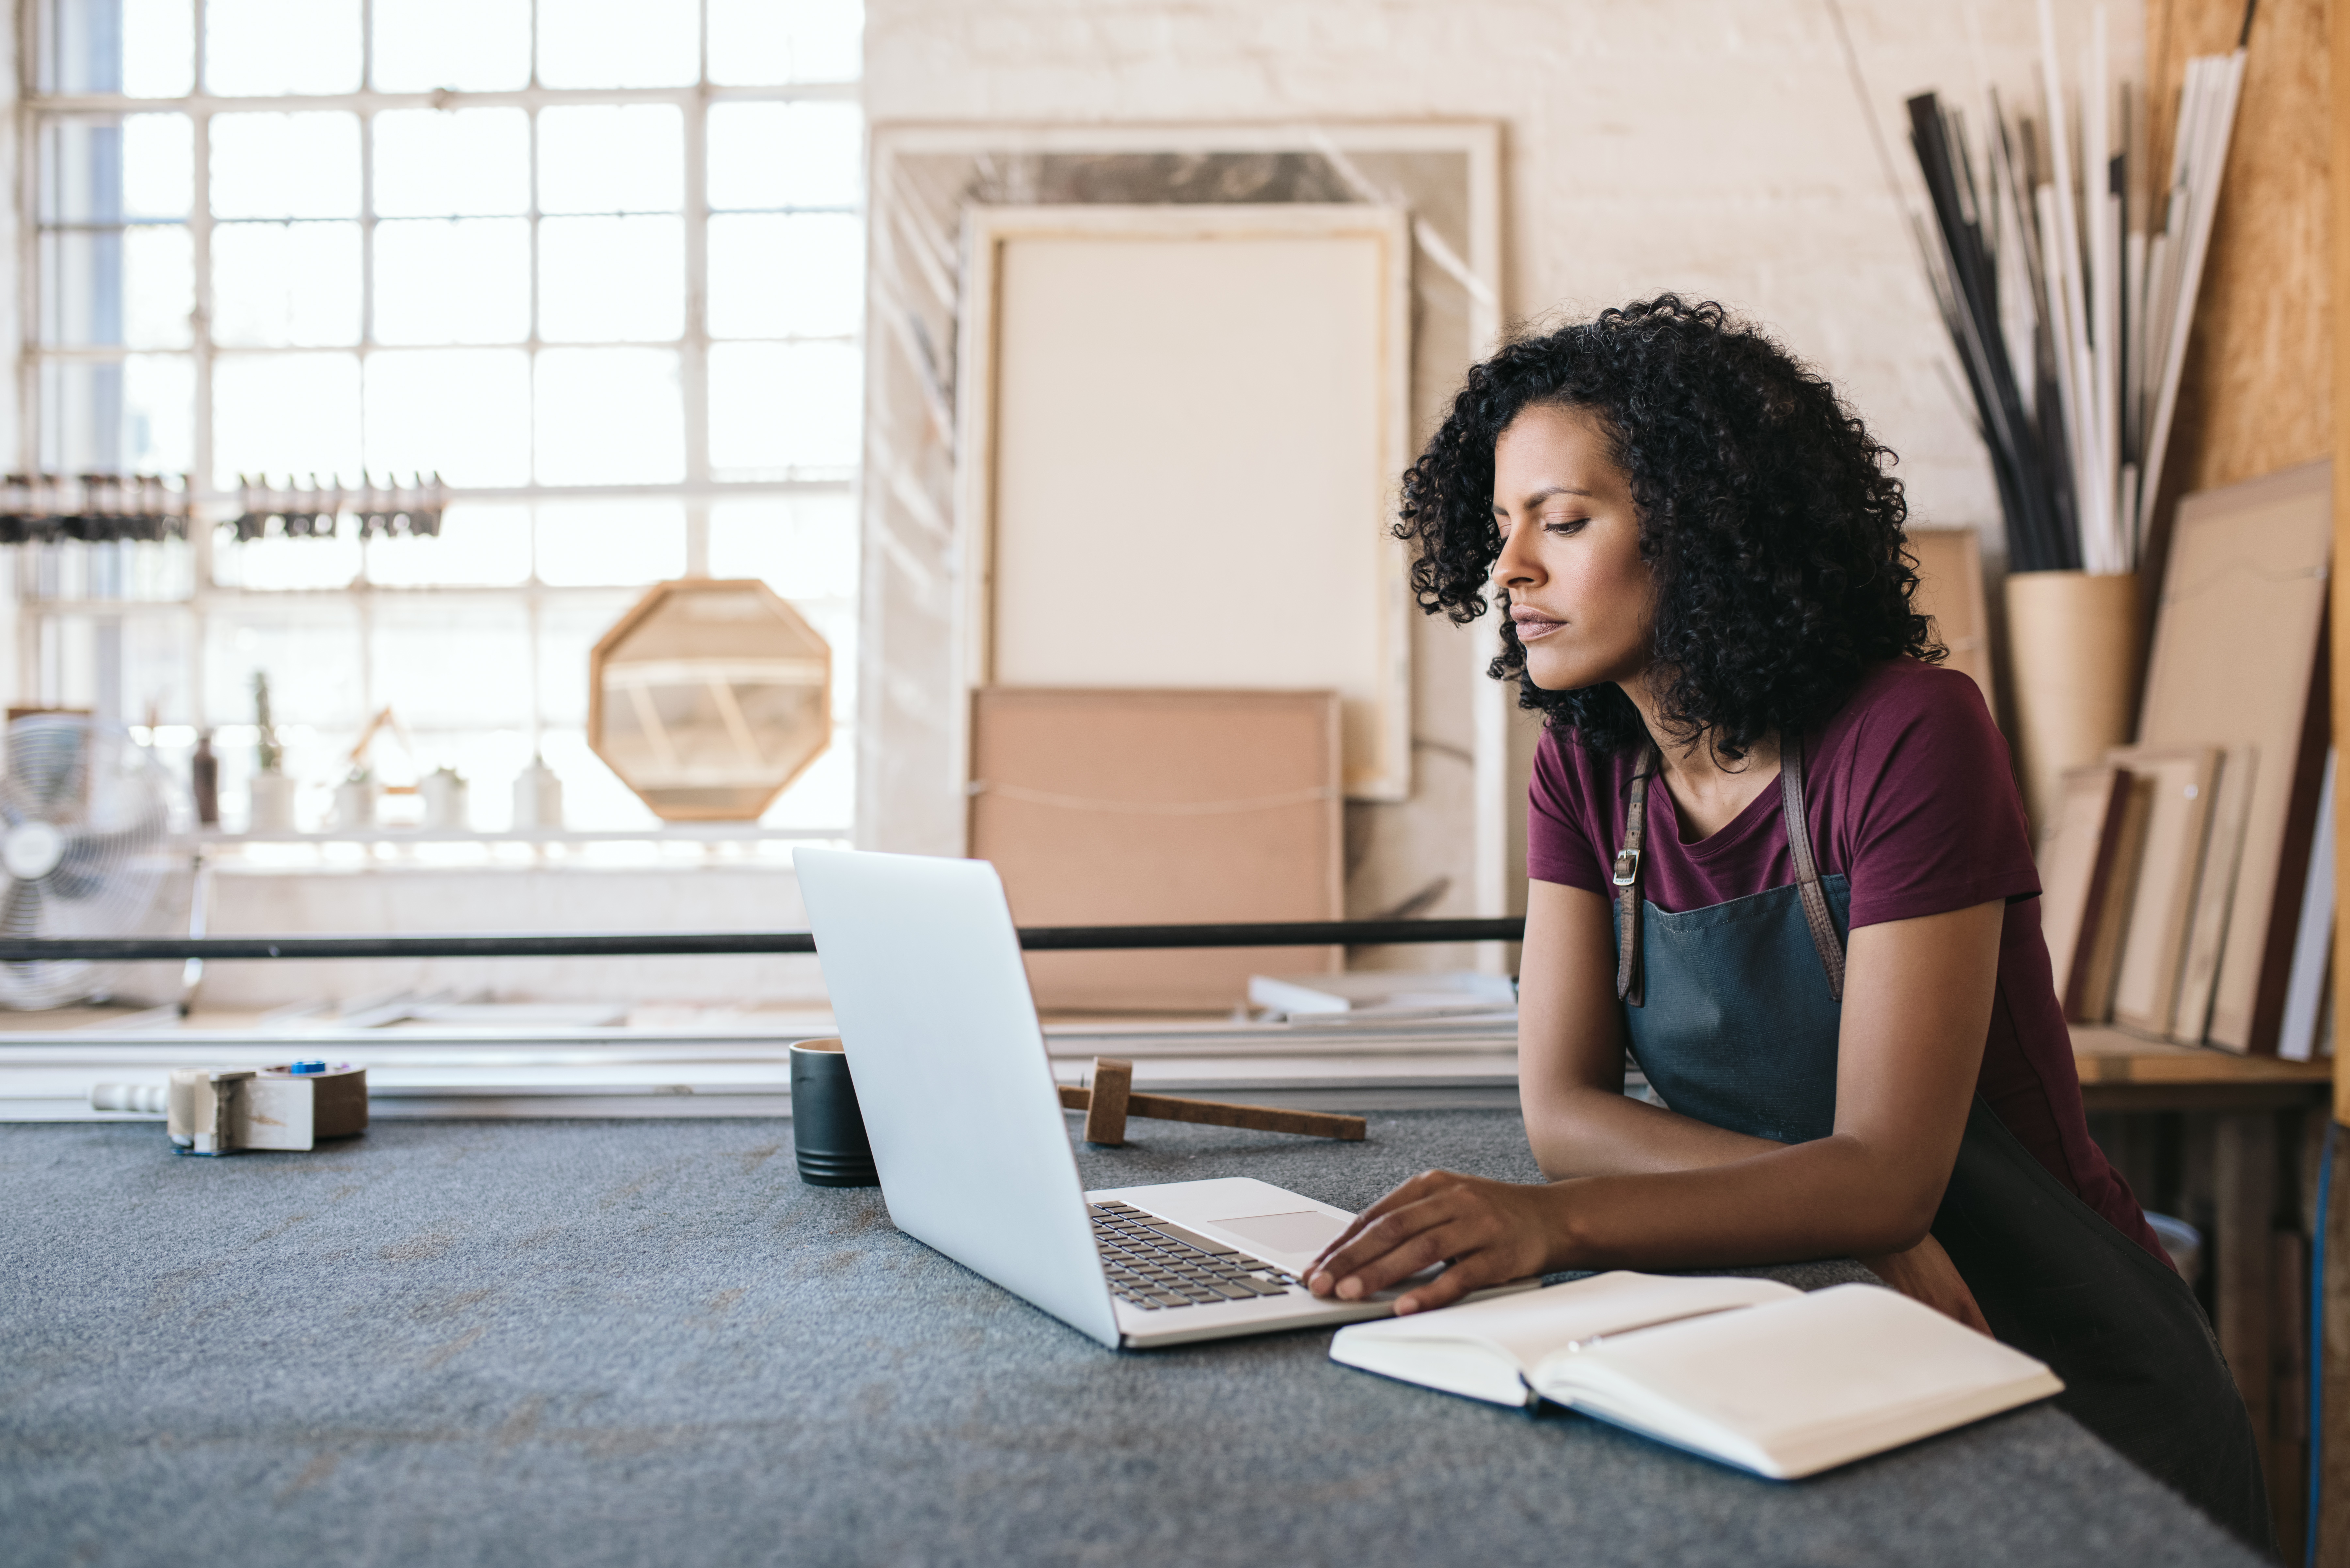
<point x="708" y="697"/>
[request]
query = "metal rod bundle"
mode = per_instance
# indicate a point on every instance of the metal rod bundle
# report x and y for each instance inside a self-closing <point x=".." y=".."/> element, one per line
<point x="2069" y="290"/>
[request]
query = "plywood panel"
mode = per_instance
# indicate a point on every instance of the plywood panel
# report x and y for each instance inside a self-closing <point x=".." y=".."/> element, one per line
<point x="1159" y="807"/>
<point x="2256" y="393"/>
<point x="2236" y="644"/>
<point x="1190" y="420"/>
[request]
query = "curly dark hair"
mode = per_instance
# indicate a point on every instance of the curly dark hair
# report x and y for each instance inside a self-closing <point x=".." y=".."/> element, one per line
<point x="1766" y="512"/>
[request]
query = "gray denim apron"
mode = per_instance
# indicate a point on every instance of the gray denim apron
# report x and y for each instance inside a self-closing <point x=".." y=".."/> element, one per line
<point x="1733" y="1012"/>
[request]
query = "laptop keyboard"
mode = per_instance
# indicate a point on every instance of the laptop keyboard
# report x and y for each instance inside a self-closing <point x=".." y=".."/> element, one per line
<point x="1156" y="1263"/>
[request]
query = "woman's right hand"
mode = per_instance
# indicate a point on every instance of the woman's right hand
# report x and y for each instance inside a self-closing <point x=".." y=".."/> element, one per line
<point x="1925" y="1272"/>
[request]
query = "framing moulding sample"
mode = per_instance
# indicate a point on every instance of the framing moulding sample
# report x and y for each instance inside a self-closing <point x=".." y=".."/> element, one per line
<point x="2178" y="782"/>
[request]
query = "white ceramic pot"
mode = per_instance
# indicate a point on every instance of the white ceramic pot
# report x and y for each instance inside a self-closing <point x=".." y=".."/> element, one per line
<point x="273" y="804"/>
<point x="354" y="806"/>
<point x="538" y="797"/>
<point x="444" y="800"/>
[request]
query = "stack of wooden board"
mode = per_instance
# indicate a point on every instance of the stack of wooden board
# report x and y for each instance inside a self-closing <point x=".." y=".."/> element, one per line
<point x="2177" y="898"/>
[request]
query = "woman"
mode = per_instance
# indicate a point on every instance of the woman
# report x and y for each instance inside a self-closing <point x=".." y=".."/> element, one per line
<point x="1778" y="854"/>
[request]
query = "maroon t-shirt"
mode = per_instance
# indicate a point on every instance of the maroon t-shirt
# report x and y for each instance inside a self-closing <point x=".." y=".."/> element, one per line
<point x="1908" y="792"/>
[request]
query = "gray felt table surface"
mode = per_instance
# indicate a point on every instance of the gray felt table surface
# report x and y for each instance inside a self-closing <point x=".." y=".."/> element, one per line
<point x="646" y="1342"/>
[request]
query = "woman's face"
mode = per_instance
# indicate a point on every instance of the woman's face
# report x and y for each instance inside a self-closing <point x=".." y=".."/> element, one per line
<point x="1583" y="600"/>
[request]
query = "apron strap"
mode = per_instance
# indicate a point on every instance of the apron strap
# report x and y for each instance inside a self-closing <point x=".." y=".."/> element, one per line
<point x="1628" y="881"/>
<point x="1807" y="871"/>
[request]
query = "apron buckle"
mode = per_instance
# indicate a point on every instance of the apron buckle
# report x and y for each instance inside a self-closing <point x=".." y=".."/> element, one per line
<point x="1627" y="868"/>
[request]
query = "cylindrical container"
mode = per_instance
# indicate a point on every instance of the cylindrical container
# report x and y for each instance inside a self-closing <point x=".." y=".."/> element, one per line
<point x="273" y="804"/>
<point x="444" y="799"/>
<point x="827" y="1130"/>
<point x="2072" y="641"/>
<point x="355" y="803"/>
<point x="537" y="796"/>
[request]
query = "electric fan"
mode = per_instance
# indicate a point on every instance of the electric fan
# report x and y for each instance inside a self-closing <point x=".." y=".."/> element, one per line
<point x="86" y="818"/>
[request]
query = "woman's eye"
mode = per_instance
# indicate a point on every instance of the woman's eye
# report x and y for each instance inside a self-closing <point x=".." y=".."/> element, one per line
<point x="1563" y="524"/>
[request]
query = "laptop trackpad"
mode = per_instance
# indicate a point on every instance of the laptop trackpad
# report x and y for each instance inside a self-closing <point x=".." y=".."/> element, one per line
<point x="1304" y="1231"/>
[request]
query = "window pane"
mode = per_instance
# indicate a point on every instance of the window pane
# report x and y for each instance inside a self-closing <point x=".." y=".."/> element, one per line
<point x="286" y="286"/>
<point x="286" y="414"/>
<point x="145" y="48"/>
<point x="286" y="165"/>
<point x="802" y="546"/>
<point x="777" y="407"/>
<point x="326" y="562"/>
<point x="617" y="43"/>
<point x="753" y="42"/>
<point x="598" y="158"/>
<point x="611" y="280"/>
<point x="772" y="275"/>
<point x="785" y="154"/>
<point x="461" y="413"/>
<point x="452" y="281"/>
<point x="610" y="416"/>
<point x="432" y="163"/>
<point x="311" y="654"/>
<point x="282" y="46"/>
<point x="103" y="170"/>
<point x="137" y="416"/>
<point x="478" y="547"/>
<point x="445" y="665"/>
<point x="466" y="45"/>
<point x="134" y="287"/>
<point x="584" y="544"/>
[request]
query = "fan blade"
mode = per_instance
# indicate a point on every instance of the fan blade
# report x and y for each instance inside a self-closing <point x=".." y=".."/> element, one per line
<point x="49" y="757"/>
<point x="82" y="871"/>
<point x="20" y="911"/>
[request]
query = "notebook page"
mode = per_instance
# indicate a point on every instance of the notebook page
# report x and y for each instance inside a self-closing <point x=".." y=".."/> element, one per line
<point x="1796" y="1386"/>
<point x="1529" y="1325"/>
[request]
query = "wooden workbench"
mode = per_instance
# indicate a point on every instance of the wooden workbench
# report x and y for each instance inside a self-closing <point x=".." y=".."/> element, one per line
<point x="2255" y="1115"/>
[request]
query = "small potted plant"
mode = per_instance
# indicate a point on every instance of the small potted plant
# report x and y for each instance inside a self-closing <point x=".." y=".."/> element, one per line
<point x="443" y="790"/>
<point x="355" y="799"/>
<point x="271" y="789"/>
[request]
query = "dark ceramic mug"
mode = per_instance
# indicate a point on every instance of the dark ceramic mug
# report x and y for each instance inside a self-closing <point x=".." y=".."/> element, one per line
<point x="827" y="1130"/>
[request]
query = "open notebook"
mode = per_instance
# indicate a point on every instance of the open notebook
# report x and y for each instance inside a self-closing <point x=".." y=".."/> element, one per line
<point x="1749" y="1372"/>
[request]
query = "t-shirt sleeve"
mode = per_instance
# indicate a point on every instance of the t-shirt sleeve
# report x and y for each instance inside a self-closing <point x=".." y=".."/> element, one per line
<point x="1559" y="808"/>
<point x="1931" y="819"/>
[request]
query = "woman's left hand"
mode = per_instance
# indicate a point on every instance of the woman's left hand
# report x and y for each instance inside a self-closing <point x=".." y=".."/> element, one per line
<point x="1489" y="1232"/>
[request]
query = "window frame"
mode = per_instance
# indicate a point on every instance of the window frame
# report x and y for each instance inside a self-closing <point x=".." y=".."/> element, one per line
<point x="698" y="491"/>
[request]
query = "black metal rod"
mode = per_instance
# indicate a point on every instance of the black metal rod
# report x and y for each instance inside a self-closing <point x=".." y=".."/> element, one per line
<point x="704" y="944"/>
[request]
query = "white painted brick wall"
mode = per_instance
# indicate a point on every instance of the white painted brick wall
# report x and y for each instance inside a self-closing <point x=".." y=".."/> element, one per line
<point x="1713" y="146"/>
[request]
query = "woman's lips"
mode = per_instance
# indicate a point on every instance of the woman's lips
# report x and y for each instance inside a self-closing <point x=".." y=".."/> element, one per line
<point x="1532" y="628"/>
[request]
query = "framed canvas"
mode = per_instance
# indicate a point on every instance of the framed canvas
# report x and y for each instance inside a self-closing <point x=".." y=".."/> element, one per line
<point x="1454" y="847"/>
<point x="1170" y="411"/>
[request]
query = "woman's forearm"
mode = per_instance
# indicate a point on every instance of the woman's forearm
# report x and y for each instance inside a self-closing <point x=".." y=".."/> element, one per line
<point x="1834" y="1196"/>
<point x="1577" y="1131"/>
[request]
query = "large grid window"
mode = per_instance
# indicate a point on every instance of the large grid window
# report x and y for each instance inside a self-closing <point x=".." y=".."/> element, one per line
<point x="596" y="262"/>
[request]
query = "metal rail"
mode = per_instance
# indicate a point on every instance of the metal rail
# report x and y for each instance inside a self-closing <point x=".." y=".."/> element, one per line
<point x="705" y="944"/>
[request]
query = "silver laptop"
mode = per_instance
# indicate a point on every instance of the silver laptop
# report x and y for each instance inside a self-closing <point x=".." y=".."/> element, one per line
<point x="922" y="964"/>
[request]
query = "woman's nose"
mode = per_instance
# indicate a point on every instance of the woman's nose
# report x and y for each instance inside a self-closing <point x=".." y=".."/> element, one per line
<point x="1514" y="566"/>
